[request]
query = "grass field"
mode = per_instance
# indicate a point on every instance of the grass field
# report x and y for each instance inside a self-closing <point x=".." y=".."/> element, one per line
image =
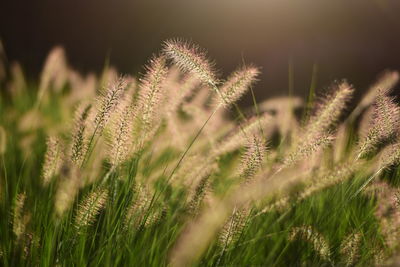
<point x="164" y="168"/>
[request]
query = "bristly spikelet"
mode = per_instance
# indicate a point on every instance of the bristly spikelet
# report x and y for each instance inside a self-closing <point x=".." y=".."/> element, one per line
<point x="383" y="127"/>
<point x="317" y="240"/>
<point x="391" y="156"/>
<point x="190" y="58"/>
<point x="108" y="102"/>
<point x="383" y="86"/>
<point x="237" y="84"/>
<point x="3" y="141"/>
<point x="252" y="158"/>
<point x="350" y="248"/>
<point x="242" y="134"/>
<point x="388" y="212"/>
<point x="121" y="135"/>
<point x="306" y="148"/>
<point x="90" y="207"/>
<point x="233" y="227"/>
<point x="138" y="214"/>
<point x="329" y="112"/>
<point x="52" y="160"/>
<point x="201" y="190"/>
<point x="54" y="71"/>
<point x="150" y="94"/>
<point x="79" y="142"/>
<point x="19" y="219"/>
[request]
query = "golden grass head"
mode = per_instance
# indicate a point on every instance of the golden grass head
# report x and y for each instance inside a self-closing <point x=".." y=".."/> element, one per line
<point x="309" y="234"/>
<point x="253" y="157"/>
<point x="3" y="141"/>
<point x="108" y="102"/>
<point x="329" y="111"/>
<point x="79" y="135"/>
<point x="90" y="207"/>
<point x="52" y="159"/>
<point x="151" y="92"/>
<point x="191" y="58"/>
<point x="383" y="126"/>
<point x="237" y="84"/>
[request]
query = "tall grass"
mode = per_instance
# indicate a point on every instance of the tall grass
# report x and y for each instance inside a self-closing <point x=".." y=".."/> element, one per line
<point x="166" y="169"/>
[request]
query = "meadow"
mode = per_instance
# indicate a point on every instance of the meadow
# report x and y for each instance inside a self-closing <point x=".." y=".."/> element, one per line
<point x="164" y="168"/>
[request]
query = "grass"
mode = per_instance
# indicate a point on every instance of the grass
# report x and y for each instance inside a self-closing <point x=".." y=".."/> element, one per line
<point x="152" y="171"/>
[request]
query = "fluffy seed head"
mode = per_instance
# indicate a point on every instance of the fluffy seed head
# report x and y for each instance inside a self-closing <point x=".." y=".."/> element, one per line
<point x="330" y="111"/>
<point x="242" y="134"/>
<point x="252" y="158"/>
<point x="3" y="141"/>
<point x="383" y="127"/>
<point x="19" y="219"/>
<point x="79" y="142"/>
<point x="233" y="227"/>
<point x="138" y="214"/>
<point x="383" y="86"/>
<point x="190" y="58"/>
<point x="317" y="240"/>
<point x="151" y="93"/>
<point x="307" y="148"/>
<point x="237" y="84"/>
<point x="121" y="135"/>
<point x="391" y="156"/>
<point x="52" y="160"/>
<point x="108" y="102"/>
<point x="350" y="248"/>
<point x="90" y="207"/>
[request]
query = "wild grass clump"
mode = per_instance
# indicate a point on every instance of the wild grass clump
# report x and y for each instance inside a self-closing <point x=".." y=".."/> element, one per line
<point x="166" y="169"/>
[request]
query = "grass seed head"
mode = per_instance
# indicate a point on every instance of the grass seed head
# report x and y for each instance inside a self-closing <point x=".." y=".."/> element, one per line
<point x="90" y="207"/>
<point x="383" y="127"/>
<point x="237" y="85"/>
<point x="108" y="102"/>
<point x="191" y="58"/>
<point x="52" y="160"/>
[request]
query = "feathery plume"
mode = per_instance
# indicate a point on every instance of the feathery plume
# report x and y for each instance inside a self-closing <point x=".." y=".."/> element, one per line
<point x="52" y="160"/>
<point x="237" y="84"/>
<point x="20" y="220"/>
<point x="136" y="213"/>
<point x="329" y="112"/>
<point x="3" y="141"/>
<point x="322" y="180"/>
<point x="350" y="248"/>
<point x="121" y="135"/>
<point x="54" y="71"/>
<point x="317" y="240"/>
<point x="108" y="102"/>
<point x="242" y="135"/>
<point x="150" y="96"/>
<point x="252" y="158"/>
<point x="388" y="212"/>
<point x="200" y="192"/>
<point x="18" y="83"/>
<point x="383" y="86"/>
<point x="190" y="58"/>
<point x="307" y="148"/>
<point x="233" y="227"/>
<point x="383" y="127"/>
<point x="391" y="156"/>
<point x="79" y="142"/>
<point x="90" y="207"/>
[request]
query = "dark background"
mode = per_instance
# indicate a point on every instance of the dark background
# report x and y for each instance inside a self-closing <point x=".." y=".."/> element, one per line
<point x="353" y="39"/>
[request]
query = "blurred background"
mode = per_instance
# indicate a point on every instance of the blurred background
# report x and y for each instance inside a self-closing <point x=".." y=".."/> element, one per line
<point x="333" y="39"/>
